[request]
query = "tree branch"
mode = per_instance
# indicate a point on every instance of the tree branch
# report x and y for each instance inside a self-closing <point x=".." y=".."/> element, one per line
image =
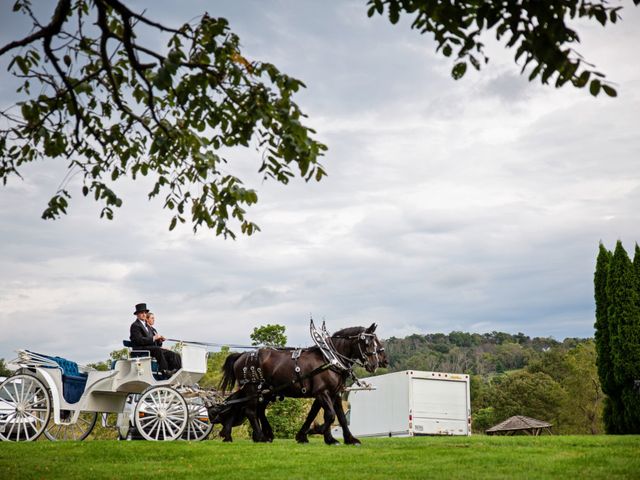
<point x="53" y="28"/>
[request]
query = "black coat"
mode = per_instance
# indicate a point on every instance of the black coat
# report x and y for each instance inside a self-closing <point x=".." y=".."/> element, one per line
<point x="139" y="336"/>
<point x="158" y="343"/>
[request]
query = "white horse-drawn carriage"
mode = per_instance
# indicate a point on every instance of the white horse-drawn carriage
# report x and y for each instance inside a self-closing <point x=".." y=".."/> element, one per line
<point x="55" y="396"/>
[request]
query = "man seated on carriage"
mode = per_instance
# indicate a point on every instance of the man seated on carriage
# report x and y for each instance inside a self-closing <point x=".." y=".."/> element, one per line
<point x="145" y="337"/>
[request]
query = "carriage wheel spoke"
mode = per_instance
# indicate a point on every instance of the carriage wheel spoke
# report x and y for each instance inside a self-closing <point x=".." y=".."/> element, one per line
<point x="15" y="390"/>
<point x="36" y="418"/>
<point x="13" y="400"/>
<point x="10" y="416"/>
<point x="59" y="430"/>
<point x="200" y="424"/>
<point x="30" y="395"/>
<point x="157" y="424"/>
<point x="169" y="421"/>
<point x="13" y="424"/>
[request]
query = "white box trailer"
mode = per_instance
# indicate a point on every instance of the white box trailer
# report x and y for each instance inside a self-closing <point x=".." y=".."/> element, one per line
<point x="411" y="403"/>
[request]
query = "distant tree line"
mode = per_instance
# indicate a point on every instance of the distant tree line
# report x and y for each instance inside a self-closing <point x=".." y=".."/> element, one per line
<point x="472" y="353"/>
<point x="617" y="295"/>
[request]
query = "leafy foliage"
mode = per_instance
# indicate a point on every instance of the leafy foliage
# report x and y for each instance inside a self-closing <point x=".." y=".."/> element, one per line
<point x="112" y="106"/>
<point x="584" y="394"/>
<point x="4" y="371"/>
<point x="464" y="352"/>
<point x="96" y="96"/>
<point x="535" y="395"/>
<point x="538" y="31"/>
<point x="269" y="336"/>
<point x="215" y="361"/>
<point x="286" y="416"/>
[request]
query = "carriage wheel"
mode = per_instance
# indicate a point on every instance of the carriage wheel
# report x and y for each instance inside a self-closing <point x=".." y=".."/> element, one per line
<point x="71" y="431"/>
<point x="199" y="426"/>
<point x="161" y="414"/>
<point x="25" y="407"/>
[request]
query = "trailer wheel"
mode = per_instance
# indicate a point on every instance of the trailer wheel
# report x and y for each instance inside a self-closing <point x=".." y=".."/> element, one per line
<point x="25" y="407"/>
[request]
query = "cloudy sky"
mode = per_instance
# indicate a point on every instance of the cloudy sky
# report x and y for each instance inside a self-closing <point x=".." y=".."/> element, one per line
<point x="474" y="205"/>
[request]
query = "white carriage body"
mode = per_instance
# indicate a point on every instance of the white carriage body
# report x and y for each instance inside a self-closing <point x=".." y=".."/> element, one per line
<point x="107" y="391"/>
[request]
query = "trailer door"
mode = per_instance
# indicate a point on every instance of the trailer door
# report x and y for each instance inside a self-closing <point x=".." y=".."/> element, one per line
<point x="439" y="406"/>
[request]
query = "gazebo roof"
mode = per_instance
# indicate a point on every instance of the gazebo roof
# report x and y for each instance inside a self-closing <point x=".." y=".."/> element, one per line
<point x="518" y="422"/>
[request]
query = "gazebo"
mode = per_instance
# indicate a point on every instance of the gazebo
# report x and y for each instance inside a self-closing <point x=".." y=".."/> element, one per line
<point x="520" y="424"/>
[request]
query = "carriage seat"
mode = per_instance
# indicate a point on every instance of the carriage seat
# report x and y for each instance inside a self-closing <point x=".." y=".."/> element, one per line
<point x="140" y="352"/>
<point x="73" y="381"/>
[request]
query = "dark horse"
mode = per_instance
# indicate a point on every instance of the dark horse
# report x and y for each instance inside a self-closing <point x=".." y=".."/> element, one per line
<point x="270" y="372"/>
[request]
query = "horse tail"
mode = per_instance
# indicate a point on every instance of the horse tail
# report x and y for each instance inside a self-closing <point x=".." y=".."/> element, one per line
<point x="228" y="374"/>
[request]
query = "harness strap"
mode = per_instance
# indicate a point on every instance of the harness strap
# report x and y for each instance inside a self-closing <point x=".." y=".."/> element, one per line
<point x="275" y="390"/>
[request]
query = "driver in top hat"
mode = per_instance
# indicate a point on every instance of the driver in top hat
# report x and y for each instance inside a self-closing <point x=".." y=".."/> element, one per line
<point x="144" y="338"/>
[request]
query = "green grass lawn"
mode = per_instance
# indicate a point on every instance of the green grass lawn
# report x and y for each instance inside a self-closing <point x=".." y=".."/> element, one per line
<point x="571" y="457"/>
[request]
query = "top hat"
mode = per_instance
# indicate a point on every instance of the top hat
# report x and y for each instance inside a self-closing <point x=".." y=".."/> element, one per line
<point x="141" y="308"/>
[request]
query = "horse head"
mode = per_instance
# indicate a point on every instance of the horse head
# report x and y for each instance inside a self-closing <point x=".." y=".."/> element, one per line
<point x="378" y="347"/>
<point x="373" y="349"/>
<point x="362" y="345"/>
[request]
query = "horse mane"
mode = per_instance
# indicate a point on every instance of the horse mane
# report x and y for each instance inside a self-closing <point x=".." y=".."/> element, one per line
<point x="347" y="332"/>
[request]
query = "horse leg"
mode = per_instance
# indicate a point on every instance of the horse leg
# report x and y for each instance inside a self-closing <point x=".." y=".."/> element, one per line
<point x="225" y="433"/>
<point x="257" y="434"/>
<point x="326" y="402"/>
<point x="301" y="436"/>
<point x="267" y="431"/>
<point x="251" y="411"/>
<point x="348" y="438"/>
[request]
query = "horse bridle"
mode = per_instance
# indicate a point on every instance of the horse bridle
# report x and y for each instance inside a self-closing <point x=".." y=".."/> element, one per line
<point x="367" y="353"/>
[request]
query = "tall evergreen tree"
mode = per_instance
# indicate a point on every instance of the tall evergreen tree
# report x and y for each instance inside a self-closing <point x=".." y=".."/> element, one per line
<point x="631" y="333"/>
<point x="612" y="413"/>
<point x="623" y="315"/>
<point x="603" y="347"/>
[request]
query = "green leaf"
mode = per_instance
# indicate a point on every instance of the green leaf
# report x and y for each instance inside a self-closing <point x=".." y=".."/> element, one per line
<point x="163" y="79"/>
<point x="594" y="87"/>
<point x="458" y="71"/>
<point x="394" y="13"/>
<point x="609" y="91"/>
<point x="582" y="79"/>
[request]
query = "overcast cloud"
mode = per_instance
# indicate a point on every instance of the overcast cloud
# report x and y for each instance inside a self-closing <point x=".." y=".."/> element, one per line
<point x="474" y="205"/>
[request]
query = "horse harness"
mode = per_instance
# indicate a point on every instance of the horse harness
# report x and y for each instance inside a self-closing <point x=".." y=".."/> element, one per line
<point x="252" y="373"/>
